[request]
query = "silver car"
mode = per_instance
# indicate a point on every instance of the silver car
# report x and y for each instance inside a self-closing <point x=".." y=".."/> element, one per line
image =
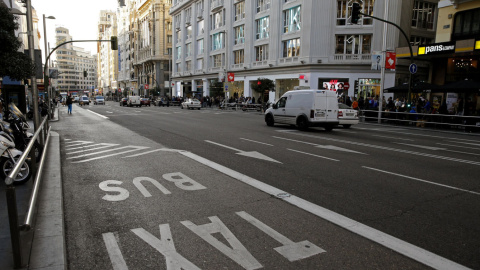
<point x="191" y="103"/>
<point x="99" y="100"/>
<point x="347" y="116"/>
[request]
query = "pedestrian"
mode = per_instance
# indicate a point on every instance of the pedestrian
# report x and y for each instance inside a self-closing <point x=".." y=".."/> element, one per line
<point x="69" y="104"/>
<point x="355" y="104"/>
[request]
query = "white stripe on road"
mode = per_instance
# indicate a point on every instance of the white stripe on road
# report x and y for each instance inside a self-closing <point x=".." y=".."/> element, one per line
<point x="111" y="155"/>
<point x="421" y="180"/>
<point x="110" y="150"/>
<point x="312" y="155"/>
<point x="395" y="138"/>
<point x="98" y="114"/>
<point x="105" y="145"/>
<point x="446" y="144"/>
<point x="256" y="141"/>
<point x="114" y="252"/>
<point x="419" y="254"/>
<point x="144" y="153"/>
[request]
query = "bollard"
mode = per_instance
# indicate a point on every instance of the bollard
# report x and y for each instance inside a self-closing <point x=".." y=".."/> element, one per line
<point x="14" y="228"/>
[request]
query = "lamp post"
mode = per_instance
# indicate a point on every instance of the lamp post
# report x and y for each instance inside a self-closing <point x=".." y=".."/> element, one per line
<point x="225" y="68"/>
<point x="46" y="81"/>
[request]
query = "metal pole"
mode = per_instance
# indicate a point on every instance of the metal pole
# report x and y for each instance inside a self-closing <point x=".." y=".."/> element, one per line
<point x="382" y="74"/>
<point x="14" y="228"/>
<point x="31" y="47"/>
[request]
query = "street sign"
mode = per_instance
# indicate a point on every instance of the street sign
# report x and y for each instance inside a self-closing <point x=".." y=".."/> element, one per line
<point x="231" y="76"/>
<point x="413" y="68"/>
<point x="226" y="87"/>
<point x="146" y="86"/>
<point x="346" y="85"/>
<point x="391" y="60"/>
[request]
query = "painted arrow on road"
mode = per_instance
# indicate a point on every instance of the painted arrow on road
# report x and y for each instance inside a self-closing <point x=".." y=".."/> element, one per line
<point x="252" y="154"/>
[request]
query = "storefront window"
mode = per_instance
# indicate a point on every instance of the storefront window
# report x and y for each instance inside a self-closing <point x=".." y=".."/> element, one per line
<point x="368" y="88"/>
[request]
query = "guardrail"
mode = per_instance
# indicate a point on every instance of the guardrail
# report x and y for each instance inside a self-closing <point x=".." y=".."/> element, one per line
<point x="241" y="106"/>
<point x="435" y="120"/>
<point x="11" y="194"/>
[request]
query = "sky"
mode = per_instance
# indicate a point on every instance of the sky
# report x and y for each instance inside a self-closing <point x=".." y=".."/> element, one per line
<point x="80" y="17"/>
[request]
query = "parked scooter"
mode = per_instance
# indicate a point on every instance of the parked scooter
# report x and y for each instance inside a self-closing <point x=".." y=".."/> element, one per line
<point x="9" y="155"/>
<point x="42" y="108"/>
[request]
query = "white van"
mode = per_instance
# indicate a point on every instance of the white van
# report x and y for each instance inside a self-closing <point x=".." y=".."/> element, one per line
<point x="305" y="108"/>
<point x="134" y="101"/>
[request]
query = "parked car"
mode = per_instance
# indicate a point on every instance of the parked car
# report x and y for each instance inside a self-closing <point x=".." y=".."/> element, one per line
<point x="134" y="101"/>
<point x="191" y="103"/>
<point x="347" y="116"/>
<point x="305" y="108"/>
<point x="99" y="100"/>
<point x="123" y="102"/>
<point x="84" y="100"/>
<point x="145" y="102"/>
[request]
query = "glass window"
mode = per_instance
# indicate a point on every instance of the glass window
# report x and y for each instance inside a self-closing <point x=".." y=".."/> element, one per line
<point x="291" y="20"/>
<point x="188" y="49"/>
<point x="189" y="32"/>
<point x="238" y="57"/>
<point x="178" y="67"/>
<point x="353" y="44"/>
<point x="466" y="24"/>
<point x="200" y="27"/>
<point x="291" y="47"/>
<point x="217" y="60"/>
<point x="263" y="5"/>
<point x="239" y="11"/>
<point x="217" y="20"/>
<point x="188" y="65"/>
<point x="423" y="16"/>
<point x="262" y="27"/>
<point x="261" y="53"/>
<point x="217" y="41"/>
<point x="200" y="63"/>
<point x="200" y="46"/>
<point x="179" y="52"/>
<point x="239" y="34"/>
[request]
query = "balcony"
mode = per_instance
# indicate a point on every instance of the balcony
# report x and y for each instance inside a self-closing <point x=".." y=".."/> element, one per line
<point x="352" y="58"/>
<point x="216" y="5"/>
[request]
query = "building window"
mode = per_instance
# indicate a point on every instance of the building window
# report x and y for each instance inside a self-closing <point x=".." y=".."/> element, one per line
<point x="169" y="39"/>
<point x="217" y="20"/>
<point x="344" y="11"/>
<point x="199" y="7"/>
<point x="200" y="63"/>
<point x="189" y="32"/>
<point x="263" y="5"/>
<point x="200" y="46"/>
<point x="262" y="27"/>
<point x="178" y="67"/>
<point x="217" y="41"/>
<point x="466" y="24"/>
<point x="291" y="47"/>
<point x="423" y="15"/>
<point x="261" y="53"/>
<point x="239" y="11"/>
<point x="238" y="57"/>
<point x="239" y="34"/>
<point x="179" y="52"/>
<point x="217" y="60"/>
<point x="179" y="36"/>
<point x="353" y="44"/>
<point x="200" y="27"/>
<point x="416" y="40"/>
<point x="188" y="49"/>
<point x="188" y="65"/>
<point x="291" y="20"/>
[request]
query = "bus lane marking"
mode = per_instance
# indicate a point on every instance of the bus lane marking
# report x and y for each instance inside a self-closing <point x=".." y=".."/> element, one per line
<point x="116" y="258"/>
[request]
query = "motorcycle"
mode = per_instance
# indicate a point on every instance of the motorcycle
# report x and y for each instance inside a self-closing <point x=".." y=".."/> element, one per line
<point x="42" y="109"/>
<point x="9" y="156"/>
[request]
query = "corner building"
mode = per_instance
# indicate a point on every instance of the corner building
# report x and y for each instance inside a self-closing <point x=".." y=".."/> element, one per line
<point x="292" y="42"/>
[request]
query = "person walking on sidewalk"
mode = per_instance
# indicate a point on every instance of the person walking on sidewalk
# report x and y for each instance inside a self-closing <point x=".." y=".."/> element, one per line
<point x="69" y="104"/>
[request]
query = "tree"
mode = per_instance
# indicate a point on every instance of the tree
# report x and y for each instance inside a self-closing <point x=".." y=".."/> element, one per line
<point x="14" y="64"/>
<point x="262" y="86"/>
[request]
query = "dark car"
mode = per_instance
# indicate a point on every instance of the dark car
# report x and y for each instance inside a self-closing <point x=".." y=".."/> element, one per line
<point x="123" y="102"/>
<point x="145" y="102"/>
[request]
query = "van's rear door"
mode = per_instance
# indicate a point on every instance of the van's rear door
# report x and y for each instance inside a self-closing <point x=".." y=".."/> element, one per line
<point x="320" y="105"/>
<point x="332" y="107"/>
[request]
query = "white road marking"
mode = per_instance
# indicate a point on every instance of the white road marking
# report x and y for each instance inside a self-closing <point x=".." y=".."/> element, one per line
<point x="333" y="147"/>
<point x="381" y="147"/>
<point x="116" y="154"/>
<point x="144" y="153"/>
<point x="459" y="146"/>
<point x="312" y="154"/>
<point x="118" y="263"/>
<point x="290" y="250"/>
<point x="422" y="146"/>
<point x="252" y="154"/>
<point x="395" y="138"/>
<point x="108" y="112"/>
<point x="421" y="180"/>
<point x="104" y="151"/>
<point x="476" y="144"/>
<point x="256" y="142"/>
<point x="98" y="114"/>
<point x="419" y="254"/>
<point x="104" y="145"/>
<point x="76" y="144"/>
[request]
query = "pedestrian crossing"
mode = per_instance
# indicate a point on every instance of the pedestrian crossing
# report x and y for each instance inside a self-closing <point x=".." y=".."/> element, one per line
<point x="79" y="151"/>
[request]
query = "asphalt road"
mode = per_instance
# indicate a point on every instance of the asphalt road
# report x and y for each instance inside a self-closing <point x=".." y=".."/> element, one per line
<point x="416" y="186"/>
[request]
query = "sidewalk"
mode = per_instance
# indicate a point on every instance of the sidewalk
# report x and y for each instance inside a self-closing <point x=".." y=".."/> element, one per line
<point x="43" y="247"/>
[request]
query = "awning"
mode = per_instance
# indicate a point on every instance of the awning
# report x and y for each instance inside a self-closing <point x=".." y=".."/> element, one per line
<point x="416" y="88"/>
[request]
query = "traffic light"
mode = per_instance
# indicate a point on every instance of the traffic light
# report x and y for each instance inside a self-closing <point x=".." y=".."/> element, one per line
<point x="355" y="13"/>
<point x="114" y="43"/>
<point x="85" y="73"/>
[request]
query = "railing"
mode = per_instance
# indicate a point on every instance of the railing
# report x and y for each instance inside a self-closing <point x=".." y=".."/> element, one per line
<point x="241" y="106"/>
<point x="432" y="120"/>
<point x="11" y="195"/>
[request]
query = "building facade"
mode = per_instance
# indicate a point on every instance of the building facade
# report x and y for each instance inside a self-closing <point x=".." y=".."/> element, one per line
<point x="107" y="59"/>
<point x="292" y="42"/>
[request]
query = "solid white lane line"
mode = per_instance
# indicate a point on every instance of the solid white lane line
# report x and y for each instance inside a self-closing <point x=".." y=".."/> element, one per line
<point x="114" y="252"/>
<point x="395" y="138"/>
<point x="256" y="142"/>
<point x="419" y="254"/>
<point x="476" y="144"/>
<point x="312" y="154"/>
<point x="144" y="153"/>
<point x="421" y="180"/>
<point x="98" y="114"/>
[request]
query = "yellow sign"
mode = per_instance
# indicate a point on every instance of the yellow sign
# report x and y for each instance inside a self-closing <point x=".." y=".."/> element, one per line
<point x="421" y="50"/>
<point x="477" y="45"/>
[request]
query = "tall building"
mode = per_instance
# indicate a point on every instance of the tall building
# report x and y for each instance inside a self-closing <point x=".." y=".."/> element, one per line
<point x="307" y="43"/>
<point x="76" y="67"/>
<point x="107" y="59"/>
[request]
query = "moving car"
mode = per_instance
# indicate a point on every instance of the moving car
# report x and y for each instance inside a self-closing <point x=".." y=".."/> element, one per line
<point x="145" y="102"/>
<point x="347" y="116"/>
<point x="134" y="101"/>
<point x="99" y="100"/>
<point x="123" y="102"/>
<point x="305" y="108"/>
<point x="84" y="100"/>
<point x="76" y="99"/>
<point x="191" y="103"/>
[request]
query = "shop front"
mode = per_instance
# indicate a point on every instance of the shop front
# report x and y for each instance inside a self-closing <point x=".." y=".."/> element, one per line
<point x="284" y="85"/>
<point x="235" y="89"/>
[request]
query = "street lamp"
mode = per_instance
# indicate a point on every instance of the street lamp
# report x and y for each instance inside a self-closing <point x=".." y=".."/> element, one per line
<point x="46" y="81"/>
